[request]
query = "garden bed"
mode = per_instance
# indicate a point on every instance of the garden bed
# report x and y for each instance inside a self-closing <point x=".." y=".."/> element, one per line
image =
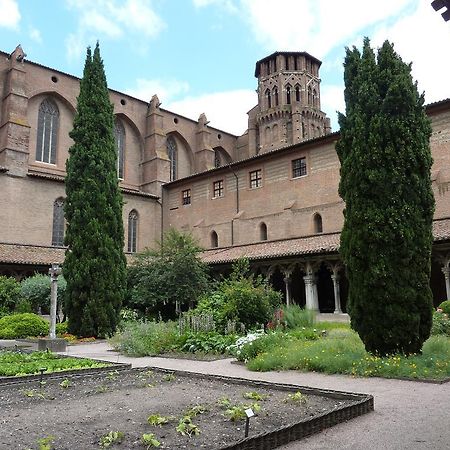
<point x="78" y="410"/>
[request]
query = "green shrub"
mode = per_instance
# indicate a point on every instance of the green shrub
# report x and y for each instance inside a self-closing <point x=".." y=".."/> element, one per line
<point x="61" y="328"/>
<point x="22" y="325"/>
<point x="441" y="324"/>
<point x="146" y="338"/>
<point x="445" y="306"/>
<point x="296" y="317"/>
<point x="210" y="342"/>
<point x="10" y="294"/>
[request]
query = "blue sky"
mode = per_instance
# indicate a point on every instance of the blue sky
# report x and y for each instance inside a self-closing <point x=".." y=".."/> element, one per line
<point x="199" y="55"/>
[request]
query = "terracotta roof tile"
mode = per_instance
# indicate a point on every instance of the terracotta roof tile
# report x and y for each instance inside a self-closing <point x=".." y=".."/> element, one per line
<point x="311" y="245"/>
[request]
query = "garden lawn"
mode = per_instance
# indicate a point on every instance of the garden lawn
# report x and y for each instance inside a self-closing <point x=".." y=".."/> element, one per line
<point x="20" y="364"/>
<point x="341" y="351"/>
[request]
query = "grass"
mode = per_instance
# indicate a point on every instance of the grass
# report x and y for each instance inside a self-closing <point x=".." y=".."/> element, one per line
<point x="341" y="351"/>
<point x="20" y="364"/>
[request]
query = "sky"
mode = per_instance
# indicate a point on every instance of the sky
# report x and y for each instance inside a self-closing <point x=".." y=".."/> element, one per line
<point x="199" y="56"/>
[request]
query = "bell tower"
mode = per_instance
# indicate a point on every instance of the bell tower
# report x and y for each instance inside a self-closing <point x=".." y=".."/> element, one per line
<point x="288" y="110"/>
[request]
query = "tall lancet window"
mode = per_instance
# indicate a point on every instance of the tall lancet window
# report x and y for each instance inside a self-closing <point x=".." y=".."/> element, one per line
<point x="119" y="135"/>
<point x="172" y="154"/>
<point x="132" y="231"/>
<point x="47" y="131"/>
<point x="58" y="223"/>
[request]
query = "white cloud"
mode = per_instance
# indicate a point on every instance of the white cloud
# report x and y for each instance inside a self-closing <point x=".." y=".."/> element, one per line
<point x="422" y="38"/>
<point x="9" y="14"/>
<point x="112" y="19"/>
<point x="332" y="100"/>
<point x="35" y="35"/>
<point x="166" y="90"/>
<point x="225" y="110"/>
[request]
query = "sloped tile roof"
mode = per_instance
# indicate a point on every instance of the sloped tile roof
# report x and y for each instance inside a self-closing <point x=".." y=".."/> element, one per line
<point x="31" y="254"/>
<point x="310" y="245"/>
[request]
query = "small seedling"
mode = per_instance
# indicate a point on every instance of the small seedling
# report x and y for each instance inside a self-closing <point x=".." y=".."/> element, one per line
<point x="224" y="402"/>
<point x="45" y="443"/>
<point x="169" y="377"/>
<point x="33" y="393"/>
<point x="298" y="398"/>
<point x="157" y="420"/>
<point x="65" y="383"/>
<point x="236" y="413"/>
<point x="111" y="438"/>
<point x="112" y="375"/>
<point x="196" y="410"/>
<point x="100" y="389"/>
<point x="254" y="396"/>
<point x="186" y="427"/>
<point x="149" y="440"/>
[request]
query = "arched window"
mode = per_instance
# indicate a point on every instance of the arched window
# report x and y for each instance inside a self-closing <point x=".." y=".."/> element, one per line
<point x="275" y="136"/>
<point x="275" y="96"/>
<point x="297" y="93"/>
<point x="263" y="232"/>
<point x="217" y="161"/>
<point x="269" y="99"/>
<point x="172" y="154"/>
<point x="119" y="135"/>
<point x="288" y="94"/>
<point x="318" y="228"/>
<point x="47" y="131"/>
<point x="315" y="99"/>
<point x="309" y="95"/>
<point x="132" y="231"/>
<point x="214" y="239"/>
<point x="58" y="223"/>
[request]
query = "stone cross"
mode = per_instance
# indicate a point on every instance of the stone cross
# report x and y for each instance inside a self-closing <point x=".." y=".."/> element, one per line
<point x="54" y="272"/>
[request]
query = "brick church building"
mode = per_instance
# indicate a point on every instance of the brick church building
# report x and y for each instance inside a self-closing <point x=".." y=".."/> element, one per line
<point x="270" y="195"/>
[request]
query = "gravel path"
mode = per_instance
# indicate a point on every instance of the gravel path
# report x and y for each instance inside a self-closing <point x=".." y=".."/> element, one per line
<point x="408" y="415"/>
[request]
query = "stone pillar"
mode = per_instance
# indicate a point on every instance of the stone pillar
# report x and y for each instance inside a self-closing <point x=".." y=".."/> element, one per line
<point x="287" y="284"/>
<point x="337" y="294"/>
<point x="446" y="272"/>
<point x="54" y="272"/>
<point x="312" y="301"/>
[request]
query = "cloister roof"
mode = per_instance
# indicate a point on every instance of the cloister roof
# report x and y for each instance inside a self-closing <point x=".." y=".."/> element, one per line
<point x="305" y="246"/>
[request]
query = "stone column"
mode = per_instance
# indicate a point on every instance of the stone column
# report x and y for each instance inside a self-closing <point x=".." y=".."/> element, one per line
<point x="446" y="272"/>
<point x="312" y="301"/>
<point x="287" y="284"/>
<point x="337" y="294"/>
<point x="54" y="272"/>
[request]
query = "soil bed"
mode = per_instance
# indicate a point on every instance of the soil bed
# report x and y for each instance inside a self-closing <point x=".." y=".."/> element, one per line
<point x="88" y="407"/>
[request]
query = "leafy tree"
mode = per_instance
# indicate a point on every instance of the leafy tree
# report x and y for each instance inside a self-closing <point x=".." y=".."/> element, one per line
<point x="10" y="295"/>
<point x="171" y="275"/>
<point x="95" y="266"/>
<point x="385" y="183"/>
<point x="36" y="290"/>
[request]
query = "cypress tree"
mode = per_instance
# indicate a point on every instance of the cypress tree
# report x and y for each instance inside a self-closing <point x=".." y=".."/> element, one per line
<point x="385" y="182"/>
<point x="95" y="264"/>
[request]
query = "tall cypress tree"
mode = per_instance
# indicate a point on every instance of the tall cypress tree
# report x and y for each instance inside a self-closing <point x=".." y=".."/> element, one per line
<point x="95" y="264"/>
<point x="385" y="182"/>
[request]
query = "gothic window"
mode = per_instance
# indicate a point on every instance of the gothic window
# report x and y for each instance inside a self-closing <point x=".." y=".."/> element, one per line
<point x="172" y="154"/>
<point x="119" y="135"/>
<point x="263" y="232"/>
<point x="297" y="93"/>
<point x="132" y="231"/>
<point x="309" y="95"/>
<point x="288" y="94"/>
<point x="58" y="223"/>
<point x="269" y="100"/>
<point x="47" y="131"/>
<point x="275" y="135"/>
<point x="315" y="99"/>
<point x="318" y="228"/>
<point x="217" y="161"/>
<point x="275" y="96"/>
<point x="214" y="239"/>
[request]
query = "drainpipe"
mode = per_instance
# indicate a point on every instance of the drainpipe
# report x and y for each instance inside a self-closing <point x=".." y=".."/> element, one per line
<point x="237" y="203"/>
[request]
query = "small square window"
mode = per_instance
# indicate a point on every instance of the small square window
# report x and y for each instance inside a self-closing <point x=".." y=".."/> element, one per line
<point x="186" y="197"/>
<point x="218" y="188"/>
<point x="299" y="167"/>
<point x="255" y="179"/>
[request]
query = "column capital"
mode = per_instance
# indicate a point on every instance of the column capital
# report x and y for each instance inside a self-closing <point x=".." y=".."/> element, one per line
<point x="446" y="271"/>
